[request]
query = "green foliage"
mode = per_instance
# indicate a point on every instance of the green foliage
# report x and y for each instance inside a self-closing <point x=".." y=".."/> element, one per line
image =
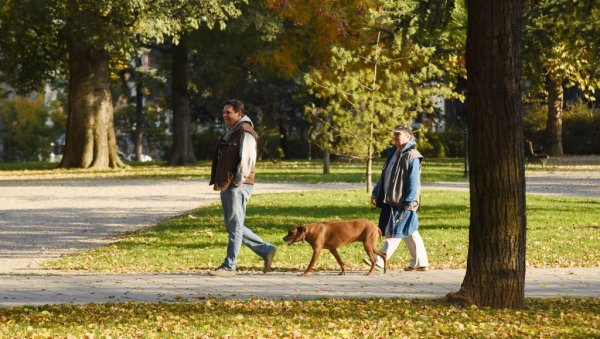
<point x="29" y="126"/>
<point x="30" y="43"/>
<point x="173" y="18"/>
<point x="387" y="80"/>
<point x="36" y="35"/>
<point x="561" y="44"/>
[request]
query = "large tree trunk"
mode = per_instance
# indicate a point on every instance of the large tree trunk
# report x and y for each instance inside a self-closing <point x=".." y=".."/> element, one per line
<point x="495" y="273"/>
<point x="90" y="137"/>
<point x="553" y="145"/>
<point x="183" y="151"/>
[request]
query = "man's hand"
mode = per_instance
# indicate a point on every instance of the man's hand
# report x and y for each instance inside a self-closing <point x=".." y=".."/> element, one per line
<point x="373" y="201"/>
<point x="411" y="206"/>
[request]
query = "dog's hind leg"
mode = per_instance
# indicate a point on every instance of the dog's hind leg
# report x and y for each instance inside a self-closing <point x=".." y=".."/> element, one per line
<point x="339" y="260"/>
<point x="370" y="250"/>
<point x="384" y="257"/>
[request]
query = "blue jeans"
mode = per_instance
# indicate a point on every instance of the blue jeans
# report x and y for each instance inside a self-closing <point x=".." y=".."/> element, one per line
<point x="233" y="201"/>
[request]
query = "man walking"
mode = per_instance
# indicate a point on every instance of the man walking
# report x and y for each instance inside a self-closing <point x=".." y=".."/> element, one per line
<point x="233" y="173"/>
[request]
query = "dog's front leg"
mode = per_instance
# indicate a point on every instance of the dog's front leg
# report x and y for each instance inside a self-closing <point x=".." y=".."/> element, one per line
<point x="313" y="260"/>
<point x="339" y="260"/>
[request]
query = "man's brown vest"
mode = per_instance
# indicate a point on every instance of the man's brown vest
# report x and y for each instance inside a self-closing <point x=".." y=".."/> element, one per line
<point x="227" y="159"/>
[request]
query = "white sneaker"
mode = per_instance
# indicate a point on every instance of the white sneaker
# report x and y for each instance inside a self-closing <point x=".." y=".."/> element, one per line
<point x="367" y="261"/>
<point x="419" y="269"/>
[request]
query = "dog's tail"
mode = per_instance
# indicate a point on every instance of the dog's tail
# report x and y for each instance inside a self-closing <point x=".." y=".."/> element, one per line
<point x="379" y="232"/>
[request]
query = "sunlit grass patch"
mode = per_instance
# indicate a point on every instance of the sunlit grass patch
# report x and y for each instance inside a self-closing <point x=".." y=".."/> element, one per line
<point x="196" y="241"/>
<point x="308" y="171"/>
<point x="298" y="171"/>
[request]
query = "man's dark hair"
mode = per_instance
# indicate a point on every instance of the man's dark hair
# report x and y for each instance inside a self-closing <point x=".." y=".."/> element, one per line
<point x="237" y="105"/>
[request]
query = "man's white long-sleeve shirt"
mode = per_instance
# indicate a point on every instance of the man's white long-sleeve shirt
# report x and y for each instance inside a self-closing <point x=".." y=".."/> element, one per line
<point x="248" y="158"/>
<point x="247" y="153"/>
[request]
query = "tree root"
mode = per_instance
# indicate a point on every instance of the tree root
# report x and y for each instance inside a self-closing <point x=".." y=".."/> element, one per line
<point x="457" y="298"/>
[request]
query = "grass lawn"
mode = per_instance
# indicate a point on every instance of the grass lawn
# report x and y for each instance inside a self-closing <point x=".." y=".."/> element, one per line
<point x="307" y="171"/>
<point x="197" y="241"/>
<point x="282" y="171"/>
<point x="556" y="318"/>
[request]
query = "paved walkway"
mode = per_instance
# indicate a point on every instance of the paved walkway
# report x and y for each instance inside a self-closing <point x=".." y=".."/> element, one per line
<point x="16" y="290"/>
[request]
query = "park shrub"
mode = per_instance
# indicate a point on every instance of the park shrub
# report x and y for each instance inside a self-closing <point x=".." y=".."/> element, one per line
<point x="28" y="126"/>
<point x="453" y="139"/>
<point x="432" y="146"/>
<point x="442" y="144"/>
<point x="535" y="116"/>
<point x="205" y="142"/>
<point x="580" y="127"/>
<point x="580" y="130"/>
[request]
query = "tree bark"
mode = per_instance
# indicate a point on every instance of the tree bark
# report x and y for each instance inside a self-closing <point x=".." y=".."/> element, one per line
<point x="183" y="151"/>
<point x="553" y="145"/>
<point x="326" y="162"/>
<point x="90" y="138"/>
<point x="283" y="138"/>
<point x="369" y="175"/>
<point x="139" y="118"/>
<point x="495" y="273"/>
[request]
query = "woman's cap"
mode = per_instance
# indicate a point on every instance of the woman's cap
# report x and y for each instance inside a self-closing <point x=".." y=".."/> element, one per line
<point x="403" y="128"/>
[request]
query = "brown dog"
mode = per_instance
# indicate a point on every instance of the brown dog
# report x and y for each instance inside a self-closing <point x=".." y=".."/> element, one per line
<point x="334" y="234"/>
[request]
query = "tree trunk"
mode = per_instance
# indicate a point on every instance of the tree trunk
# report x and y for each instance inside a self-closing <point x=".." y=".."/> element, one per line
<point x="183" y="151"/>
<point x="90" y="138"/>
<point x="139" y="117"/>
<point x="283" y="139"/>
<point x="369" y="175"/>
<point x="495" y="273"/>
<point x="553" y="145"/>
<point x="370" y="160"/>
<point x="326" y="162"/>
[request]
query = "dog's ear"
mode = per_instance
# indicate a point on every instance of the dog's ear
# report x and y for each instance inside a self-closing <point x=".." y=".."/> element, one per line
<point x="301" y="229"/>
